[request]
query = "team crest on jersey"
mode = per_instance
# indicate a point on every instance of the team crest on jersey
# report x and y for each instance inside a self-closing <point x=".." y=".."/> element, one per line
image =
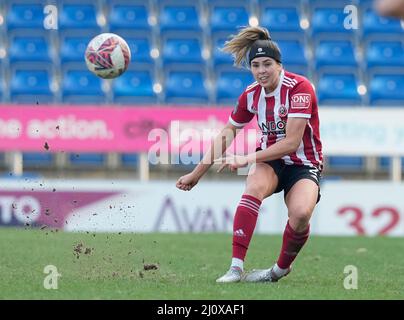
<point x="301" y="101"/>
<point x="282" y="111"/>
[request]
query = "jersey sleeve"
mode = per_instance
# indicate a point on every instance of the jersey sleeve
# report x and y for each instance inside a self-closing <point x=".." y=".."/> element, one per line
<point x="301" y="100"/>
<point x="240" y="115"/>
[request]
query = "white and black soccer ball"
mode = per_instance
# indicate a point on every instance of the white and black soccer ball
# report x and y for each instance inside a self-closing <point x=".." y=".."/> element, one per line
<point x="107" y="55"/>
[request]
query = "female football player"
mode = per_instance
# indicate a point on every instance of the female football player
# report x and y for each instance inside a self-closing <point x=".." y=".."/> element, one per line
<point x="288" y="158"/>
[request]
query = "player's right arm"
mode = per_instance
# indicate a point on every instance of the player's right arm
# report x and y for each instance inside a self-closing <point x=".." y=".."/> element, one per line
<point x="223" y="140"/>
<point x="220" y="144"/>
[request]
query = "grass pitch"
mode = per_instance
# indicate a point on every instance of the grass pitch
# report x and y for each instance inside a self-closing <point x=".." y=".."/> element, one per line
<point x="112" y="266"/>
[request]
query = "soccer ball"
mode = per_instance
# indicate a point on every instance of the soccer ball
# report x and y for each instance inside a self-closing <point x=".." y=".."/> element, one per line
<point x="107" y="55"/>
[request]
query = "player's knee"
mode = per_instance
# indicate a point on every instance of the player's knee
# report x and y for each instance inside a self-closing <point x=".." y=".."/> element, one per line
<point x="255" y="188"/>
<point x="300" y="215"/>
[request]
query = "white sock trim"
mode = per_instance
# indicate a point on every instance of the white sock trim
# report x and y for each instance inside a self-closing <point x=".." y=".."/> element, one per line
<point x="236" y="262"/>
<point x="279" y="271"/>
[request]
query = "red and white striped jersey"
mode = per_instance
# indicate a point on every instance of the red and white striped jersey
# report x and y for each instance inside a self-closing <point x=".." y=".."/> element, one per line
<point x="294" y="97"/>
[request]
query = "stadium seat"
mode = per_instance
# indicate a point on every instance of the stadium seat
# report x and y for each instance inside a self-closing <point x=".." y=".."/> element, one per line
<point x="134" y="86"/>
<point x="77" y="16"/>
<point x="338" y="89"/>
<point x="386" y="89"/>
<point x="292" y="53"/>
<point x="220" y="58"/>
<point x="81" y="86"/>
<point x="335" y="53"/>
<point x="72" y="49"/>
<point x="36" y="159"/>
<point x="31" y="86"/>
<point x="181" y="51"/>
<point x="230" y="84"/>
<point x="281" y="20"/>
<point x="385" y="54"/>
<point x="25" y="16"/>
<point x="179" y="18"/>
<point x="32" y="49"/>
<point x="184" y="86"/>
<point x="385" y="163"/>
<point x="129" y="159"/>
<point x="346" y="163"/>
<point x="87" y="159"/>
<point x="140" y="48"/>
<point x="329" y="23"/>
<point x="227" y="18"/>
<point x="375" y="25"/>
<point x="1" y="82"/>
<point x="127" y="18"/>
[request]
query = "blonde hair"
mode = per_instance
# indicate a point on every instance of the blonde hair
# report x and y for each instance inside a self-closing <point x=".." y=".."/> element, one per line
<point x="239" y="45"/>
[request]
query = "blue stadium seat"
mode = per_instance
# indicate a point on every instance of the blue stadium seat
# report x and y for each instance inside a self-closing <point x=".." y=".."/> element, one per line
<point x="281" y="20"/>
<point x="386" y="89"/>
<point x="230" y="84"/>
<point x="129" y="159"/>
<point x="179" y="18"/>
<point x="140" y="48"/>
<point x="25" y="16"/>
<point x="185" y="86"/>
<point x="72" y="49"/>
<point x="134" y="86"/>
<point x="126" y="17"/>
<point x="375" y="25"/>
<point x="385" y="163"/>
<point x="87" y="159"/>
<point x="35" y="49"/>
<point x="329" y="22"/>
<point x="228" y="18"/>
<point x="385" y="54"/>
<point x="77" y="16"/>
<point x="81" y="86"/>
<point x="31" y="86"/>
<point x="338" y="89"/>
<point x="292" y="53"/>
<point x="335" y="53"/>
<point x="346" y="163"/>
<point x="182" y="51"/>
<point x="43" y="159"/>
<point x="219" y="57"/>
<point x="365" y="4"/>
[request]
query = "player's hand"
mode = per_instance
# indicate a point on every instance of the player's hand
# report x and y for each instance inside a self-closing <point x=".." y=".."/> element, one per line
<point x="233" y="162"/>
<point x="187" y="182"/>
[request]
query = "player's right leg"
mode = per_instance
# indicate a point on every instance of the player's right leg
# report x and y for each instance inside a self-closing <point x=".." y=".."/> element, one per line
<point x="261" y="183"/>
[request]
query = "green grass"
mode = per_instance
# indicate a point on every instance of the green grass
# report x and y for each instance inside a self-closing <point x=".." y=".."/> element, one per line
<point x="189" y="264"/>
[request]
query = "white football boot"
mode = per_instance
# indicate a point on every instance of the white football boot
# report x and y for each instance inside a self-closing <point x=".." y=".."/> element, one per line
<point x="264" y="275"/>
<point x="233" y="275"/>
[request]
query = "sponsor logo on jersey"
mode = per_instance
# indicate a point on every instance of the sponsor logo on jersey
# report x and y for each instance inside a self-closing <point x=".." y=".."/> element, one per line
<point x="273" y="128"/>
<point x="301" y="101"/>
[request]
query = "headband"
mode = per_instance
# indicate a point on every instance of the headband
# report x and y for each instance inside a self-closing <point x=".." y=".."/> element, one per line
<point x="262" y="48"/>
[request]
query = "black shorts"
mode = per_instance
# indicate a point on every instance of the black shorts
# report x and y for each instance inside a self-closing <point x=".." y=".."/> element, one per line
<point x="288" y="175"/>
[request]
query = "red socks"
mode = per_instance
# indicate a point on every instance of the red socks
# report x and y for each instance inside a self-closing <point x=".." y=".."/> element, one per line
<point x="292" y="243"/>
<point x="245" y="220"/>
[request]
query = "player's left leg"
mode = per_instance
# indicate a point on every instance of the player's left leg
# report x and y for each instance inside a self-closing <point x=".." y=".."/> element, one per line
<point x="300" y="201"/>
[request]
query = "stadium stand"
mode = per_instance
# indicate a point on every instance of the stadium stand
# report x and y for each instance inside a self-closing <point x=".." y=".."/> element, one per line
<point x="184" y="39"/>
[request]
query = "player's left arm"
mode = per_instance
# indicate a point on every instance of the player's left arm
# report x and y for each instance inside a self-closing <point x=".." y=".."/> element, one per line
<point x="294" y="134"/>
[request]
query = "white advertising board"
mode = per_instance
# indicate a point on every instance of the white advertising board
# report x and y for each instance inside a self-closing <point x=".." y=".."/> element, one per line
<point x="346" y="208"/>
